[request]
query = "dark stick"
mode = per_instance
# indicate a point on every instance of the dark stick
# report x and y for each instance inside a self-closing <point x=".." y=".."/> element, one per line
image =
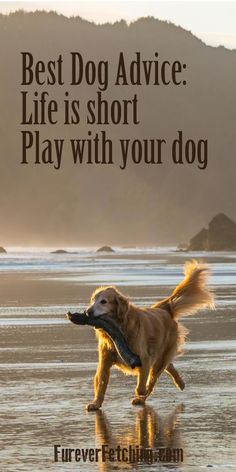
<point x="113" y="330"/>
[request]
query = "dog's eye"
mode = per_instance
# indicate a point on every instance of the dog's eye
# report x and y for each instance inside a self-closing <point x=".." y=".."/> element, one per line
<point x="103" y="302"/>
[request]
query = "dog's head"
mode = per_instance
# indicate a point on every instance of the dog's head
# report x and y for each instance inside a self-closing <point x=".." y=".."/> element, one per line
<point x="108" y="301"/>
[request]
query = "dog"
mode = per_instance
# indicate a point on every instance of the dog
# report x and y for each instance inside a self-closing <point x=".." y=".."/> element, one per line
<point x="154" y="333"/>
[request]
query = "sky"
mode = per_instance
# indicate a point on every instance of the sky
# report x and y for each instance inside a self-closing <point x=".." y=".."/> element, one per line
<point x="212" y="21"/>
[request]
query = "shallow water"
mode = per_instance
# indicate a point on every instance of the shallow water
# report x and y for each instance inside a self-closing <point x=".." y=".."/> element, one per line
<point x="47" y="365"/>
<point x="124" y="267"/>
<point x="42" y="404"/>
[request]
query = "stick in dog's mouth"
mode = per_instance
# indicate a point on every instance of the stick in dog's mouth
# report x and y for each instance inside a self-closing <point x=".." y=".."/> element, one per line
<point x="113" y="331"/>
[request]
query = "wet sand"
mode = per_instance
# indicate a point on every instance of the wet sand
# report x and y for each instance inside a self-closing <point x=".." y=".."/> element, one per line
<point x="47" y="367"/>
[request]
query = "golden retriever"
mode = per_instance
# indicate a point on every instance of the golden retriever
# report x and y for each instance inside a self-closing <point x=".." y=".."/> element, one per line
<point x="154" y="333"/>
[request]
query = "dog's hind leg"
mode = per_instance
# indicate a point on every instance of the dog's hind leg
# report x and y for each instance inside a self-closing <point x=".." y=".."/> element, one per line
<point x="178" y="381"/>
<point x="154" y="373"/>
<point x="141" y="390"/>
<point x="158" y="368"/>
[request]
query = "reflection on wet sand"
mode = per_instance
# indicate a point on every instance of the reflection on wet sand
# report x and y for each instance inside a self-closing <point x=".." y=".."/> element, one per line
<point x="151" y="431"/>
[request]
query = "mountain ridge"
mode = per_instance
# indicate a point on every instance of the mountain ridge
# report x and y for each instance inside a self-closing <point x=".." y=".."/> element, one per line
<point x="143" y="204"/>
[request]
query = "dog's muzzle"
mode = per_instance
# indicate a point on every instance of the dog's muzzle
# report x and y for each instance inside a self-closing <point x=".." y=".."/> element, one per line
<point x="90" y="312"/>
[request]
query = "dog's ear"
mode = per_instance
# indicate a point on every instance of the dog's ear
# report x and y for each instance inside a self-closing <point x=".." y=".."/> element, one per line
<point x="122" y="306"/>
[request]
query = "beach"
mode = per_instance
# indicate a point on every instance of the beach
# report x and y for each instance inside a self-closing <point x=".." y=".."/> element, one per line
<point x="47" y="364"/>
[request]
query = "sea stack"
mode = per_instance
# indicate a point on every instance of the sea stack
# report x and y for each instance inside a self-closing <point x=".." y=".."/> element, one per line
<point x="219" y="236"/>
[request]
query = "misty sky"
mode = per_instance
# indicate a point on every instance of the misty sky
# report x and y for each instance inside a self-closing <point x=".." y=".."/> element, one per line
<point x="100" y="205"/>
<point x="211" y="21"/>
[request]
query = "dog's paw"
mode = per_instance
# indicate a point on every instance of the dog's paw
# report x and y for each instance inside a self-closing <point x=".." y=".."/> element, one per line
<point x="138" y="401"/>
<point x="180" y="384"/>
<point x="92" y="407"/>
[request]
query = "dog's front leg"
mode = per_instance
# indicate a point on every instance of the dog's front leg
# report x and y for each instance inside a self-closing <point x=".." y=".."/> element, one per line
<point x="141" y="391"/>
<point x="101" y="379"/>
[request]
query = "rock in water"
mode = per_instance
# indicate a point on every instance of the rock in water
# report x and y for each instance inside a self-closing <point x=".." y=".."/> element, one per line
<point x="220" y="236"/>
<point x="199" y="242"/>
<point x="222" y="233"/>
<point x="105" y="249"/>
<point x="2" y="250"/>
<point x="59" y="251"/>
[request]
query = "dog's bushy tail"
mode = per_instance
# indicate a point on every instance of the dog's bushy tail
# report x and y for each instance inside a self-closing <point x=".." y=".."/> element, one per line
<point x="191" y="294"/>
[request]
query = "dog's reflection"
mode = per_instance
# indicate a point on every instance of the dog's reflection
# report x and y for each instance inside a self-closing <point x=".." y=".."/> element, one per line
<point x="150" y="431"/>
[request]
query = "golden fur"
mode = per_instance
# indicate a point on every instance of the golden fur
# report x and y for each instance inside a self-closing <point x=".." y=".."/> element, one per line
<point x="153" y="333"/>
